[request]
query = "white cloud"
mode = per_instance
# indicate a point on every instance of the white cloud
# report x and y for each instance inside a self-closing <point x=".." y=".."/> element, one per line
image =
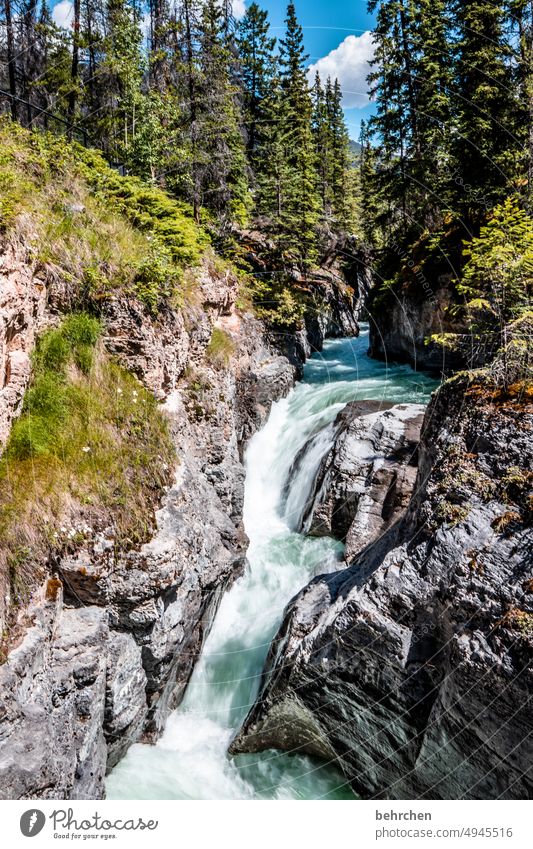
<point x="62" y="14"/>
<point x="238" y="8"/>
<point x="349" y="63"/>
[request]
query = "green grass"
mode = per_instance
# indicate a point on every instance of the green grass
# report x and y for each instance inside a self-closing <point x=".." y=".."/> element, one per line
<point x="89" y="226"/>
<point x="220" y="348"/>
<point x="91" y="449"/>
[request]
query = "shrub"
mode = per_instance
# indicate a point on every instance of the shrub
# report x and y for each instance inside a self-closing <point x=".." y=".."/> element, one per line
<point x="87" y="224"/>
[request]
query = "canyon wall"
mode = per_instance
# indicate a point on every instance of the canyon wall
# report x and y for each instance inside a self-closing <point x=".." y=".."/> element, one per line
<point x="104" y="648"/>
<point x="411" y="669"/>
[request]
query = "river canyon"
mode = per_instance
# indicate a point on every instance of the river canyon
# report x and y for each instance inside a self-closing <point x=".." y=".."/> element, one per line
<point x="190" y="760"/>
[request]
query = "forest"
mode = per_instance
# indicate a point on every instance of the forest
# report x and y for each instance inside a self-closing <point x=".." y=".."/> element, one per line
<point x="222" y="115"/>
<point x="217" y="113"/>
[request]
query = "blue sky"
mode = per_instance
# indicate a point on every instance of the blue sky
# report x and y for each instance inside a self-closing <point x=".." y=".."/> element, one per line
<point x="337" y="40"/>
<point x="336" y="34"/>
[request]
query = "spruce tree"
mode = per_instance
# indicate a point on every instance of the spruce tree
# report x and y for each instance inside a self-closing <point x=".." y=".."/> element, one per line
<point x="301" y="201"/>
<point x="221" y="160"/>
<point x="120" y="77"/>
<point x="484" y="145"/>
<point x="432" y="62"/>
<point x="255" y="48"/>
<point x="340" y="159"/>
<point x="322" y="139"/>
<point x="520" y="25"/>
<point x="271" y="161"/>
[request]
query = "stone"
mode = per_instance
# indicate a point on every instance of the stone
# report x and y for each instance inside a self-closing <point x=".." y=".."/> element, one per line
<point x="365" y="481"/>
<point x="412" y="669"/>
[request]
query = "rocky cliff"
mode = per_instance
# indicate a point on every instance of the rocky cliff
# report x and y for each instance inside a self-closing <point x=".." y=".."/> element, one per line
<point x="365" y="480"/>
<point x="412" y="669"/>
<point x="109" y="640"/>
<point x="403" y="321"/>
<point x="105" y="644"/>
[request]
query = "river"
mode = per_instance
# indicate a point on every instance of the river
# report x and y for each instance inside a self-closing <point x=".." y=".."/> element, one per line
<point x="190" y="760"/>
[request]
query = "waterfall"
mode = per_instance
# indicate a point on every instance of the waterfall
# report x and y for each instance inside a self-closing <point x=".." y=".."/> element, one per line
<point x="190" y="760"/>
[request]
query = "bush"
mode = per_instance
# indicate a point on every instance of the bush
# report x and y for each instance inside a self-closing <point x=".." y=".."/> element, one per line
<point x="498" y="275"/>
<point x="96" y="229"/>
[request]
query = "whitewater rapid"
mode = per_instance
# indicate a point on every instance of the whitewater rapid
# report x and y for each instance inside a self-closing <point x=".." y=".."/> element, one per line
<point x="190" y="760"/>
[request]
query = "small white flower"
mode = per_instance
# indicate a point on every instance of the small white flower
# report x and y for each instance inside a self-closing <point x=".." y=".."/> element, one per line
<point x="134" y="400"/>
<point x="119" y="391"/>
<point x="86" y="449"/>
<point x="135" y="393"/>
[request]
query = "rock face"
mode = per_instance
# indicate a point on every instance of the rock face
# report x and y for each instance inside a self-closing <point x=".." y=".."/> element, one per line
<point x="401" y="325"/>
<point x="22" y="316"/>
<point x="413" y="668"/>
<point x="365" y="481"/>
<point x="108" y="644"/>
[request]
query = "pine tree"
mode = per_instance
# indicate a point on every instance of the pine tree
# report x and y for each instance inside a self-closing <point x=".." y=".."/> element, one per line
<point x="432" y="62"/>
<point x="271" y="161"/>
<point x="322" y="139"/>
<point x="520" y="23"/>
<point x="120" y="79"/>
<point x="222" y="167"/>
<point x="371" y="209"/>
<point x="340" y="159"/>
<point x="390" y="124"/>
<point x="11" y="58"/>
<point x="484" y="146"/>
<point x="255" y="48"/>
<point x="301" y="202"/>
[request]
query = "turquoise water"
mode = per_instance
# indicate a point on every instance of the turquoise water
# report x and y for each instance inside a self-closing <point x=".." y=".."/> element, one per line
<point x="190" y="760"/>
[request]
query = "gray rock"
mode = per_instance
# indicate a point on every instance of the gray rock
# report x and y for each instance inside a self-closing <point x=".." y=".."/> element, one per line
<point x="412" y="669"/>
<point x="52" y="691"/>
<point x="103" y="666"/>
<point x="401" y="326"/>
<point x="365" y="481"/>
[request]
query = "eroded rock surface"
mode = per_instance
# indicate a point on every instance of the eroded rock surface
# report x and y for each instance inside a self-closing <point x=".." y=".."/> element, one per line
<point x="22" y="316"/>
<point x="135" y="620"/>
<point x="413" y="668"/>
<point x="365" y="481"/>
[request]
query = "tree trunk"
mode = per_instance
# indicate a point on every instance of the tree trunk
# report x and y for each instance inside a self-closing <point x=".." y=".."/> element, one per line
<point x="11" y="58"/>
<point x="73" y="94"/>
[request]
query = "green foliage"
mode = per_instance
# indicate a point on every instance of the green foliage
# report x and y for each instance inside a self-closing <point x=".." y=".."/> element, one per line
<point x="498" y="275"/>
<point x="91" y="450"/>
<point x="98" y="230"/>
<point x="256" y="54"/>
<point x="277" y="302"/>
<point x="47" y="401"/>
<point x="220" y="348"/>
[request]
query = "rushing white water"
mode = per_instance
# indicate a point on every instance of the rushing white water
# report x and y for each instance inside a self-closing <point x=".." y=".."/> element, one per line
<point x="190" y="760"/>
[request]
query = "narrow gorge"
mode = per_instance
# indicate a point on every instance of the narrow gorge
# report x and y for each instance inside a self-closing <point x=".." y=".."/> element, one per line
<point x="282" y="462"/>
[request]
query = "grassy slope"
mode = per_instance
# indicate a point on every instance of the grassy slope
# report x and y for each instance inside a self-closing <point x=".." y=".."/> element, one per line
<point x="86" y="224"/>
<point x="91" y="450"/>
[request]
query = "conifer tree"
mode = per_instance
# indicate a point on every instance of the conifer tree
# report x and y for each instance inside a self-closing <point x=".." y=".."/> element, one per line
<point x="121" y="75"/>
<point x="432" y="62"/>
<point x="340" y="158"/>
<point x="484" y="145"/>
<point x="271" y="162"/>
<point x="322" y="139"/>
<point x="520" y="23"/>
<point x="255" y="48"/>
<point x="221" y="150"/>
<point x="301" y="201"/>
